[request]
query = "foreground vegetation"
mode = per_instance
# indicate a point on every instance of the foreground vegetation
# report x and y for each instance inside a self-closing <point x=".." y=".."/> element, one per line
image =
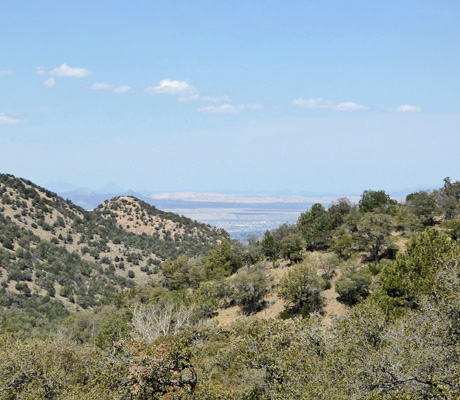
<point x="393" y="268"/>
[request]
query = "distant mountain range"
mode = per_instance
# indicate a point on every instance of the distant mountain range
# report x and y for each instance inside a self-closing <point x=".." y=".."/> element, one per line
<point x="89" y="199"/>
<point x="239" y="214"/>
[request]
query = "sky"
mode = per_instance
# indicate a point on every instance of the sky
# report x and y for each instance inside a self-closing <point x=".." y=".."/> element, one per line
<point x="243" y="96"/>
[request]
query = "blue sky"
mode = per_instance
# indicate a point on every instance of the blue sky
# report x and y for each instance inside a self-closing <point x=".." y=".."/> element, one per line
<point x="308" y="97"/>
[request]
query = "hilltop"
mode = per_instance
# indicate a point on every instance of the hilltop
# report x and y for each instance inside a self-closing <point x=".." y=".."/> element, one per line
<point x="138" y="217"/>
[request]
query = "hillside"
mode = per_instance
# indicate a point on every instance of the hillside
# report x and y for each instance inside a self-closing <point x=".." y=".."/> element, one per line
<point x="365" y="292"/>
<point x="63" y="257"/>
<point x="138" y="217"/>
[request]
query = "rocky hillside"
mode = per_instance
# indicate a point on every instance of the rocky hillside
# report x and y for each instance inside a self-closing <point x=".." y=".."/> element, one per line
<point x="56" y="257"/>
<point x="138" y="217"/>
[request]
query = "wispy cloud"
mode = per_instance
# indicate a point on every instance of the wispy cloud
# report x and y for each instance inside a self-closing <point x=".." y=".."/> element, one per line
<point x="5" y="120"/>
<point x="106" y="86"/>
<point x="101" y="86"/>
<point x="3" y="73"/>
<point x="65" y="71"/>
<point x="49" y="83"/>
<point x="318" y="103"/>
<point x="253" y="107"/>
<point x="122" y="89"/>
<point x="228" y="109"/>
<point x="222" y="109"/>
<point x="406" y="108"/>
<point x="214" y="99"/>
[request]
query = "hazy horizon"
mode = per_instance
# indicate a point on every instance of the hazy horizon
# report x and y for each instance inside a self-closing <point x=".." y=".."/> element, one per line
<point x="113" y="188"/>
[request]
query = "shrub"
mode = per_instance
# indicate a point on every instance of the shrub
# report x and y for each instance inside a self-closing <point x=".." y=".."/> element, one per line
<point x="353" y="287"/>
<point x="301" y="287"/>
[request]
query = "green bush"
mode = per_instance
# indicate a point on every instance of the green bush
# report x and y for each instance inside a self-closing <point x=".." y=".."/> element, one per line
<point x="301" y="287"/>
<point x="353" y="287"/>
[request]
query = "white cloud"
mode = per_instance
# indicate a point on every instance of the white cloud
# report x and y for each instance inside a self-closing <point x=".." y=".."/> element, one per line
<point x="101" y="86"/>
<point x="122" y="89"/>
<point x="349" y="106"/>
<point x="106" y="86"/>
<point x="185" y="91"/>
<point x="4" y="120"/>
<point x="406" y="108"/>
<point x="228" y="109"/>
<point x="65" y="71"/>
<point x="3" y="73"/>
<point x="318" y="103"/>
<point x="49" y="83"/>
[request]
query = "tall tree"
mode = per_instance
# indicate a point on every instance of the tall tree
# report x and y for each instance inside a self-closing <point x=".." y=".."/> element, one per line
<point x="423" y="205"/>
<point x="449" y="198"/>
<point x="315" y="226"/>
<point x="374" y="231"/>
<point x="291" y="247"/>
<point x="269" y="246"/>
<point x="339" y="210"/>
<point x="375" y="200"/>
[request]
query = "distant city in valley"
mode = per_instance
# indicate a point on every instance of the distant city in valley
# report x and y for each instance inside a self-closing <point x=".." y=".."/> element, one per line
<point x="240" y="215"/>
